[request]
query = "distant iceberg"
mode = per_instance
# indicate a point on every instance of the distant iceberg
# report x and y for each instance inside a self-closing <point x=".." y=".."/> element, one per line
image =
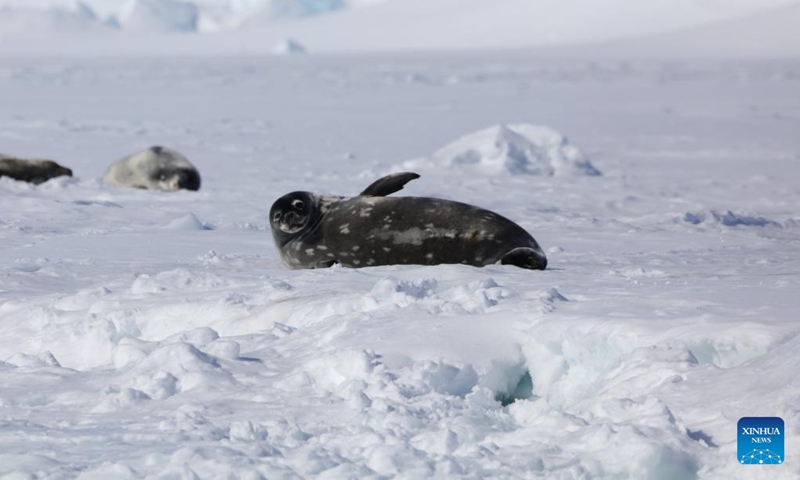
<point x="287" y="46"/>
<point x="304" y="8"/>
<point x="159" y="16"/>
<point x="36" y="19"/>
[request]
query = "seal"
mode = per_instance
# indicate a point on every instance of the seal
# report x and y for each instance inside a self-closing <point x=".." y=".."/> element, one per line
<point x="157" y="168"/>
<point x="314" y="230"/>
<point x="31" y="170"/>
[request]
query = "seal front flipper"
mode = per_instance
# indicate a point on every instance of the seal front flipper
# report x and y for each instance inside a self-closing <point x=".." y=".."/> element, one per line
<point x="389" y="184"/>
<point x="525" y="257"/>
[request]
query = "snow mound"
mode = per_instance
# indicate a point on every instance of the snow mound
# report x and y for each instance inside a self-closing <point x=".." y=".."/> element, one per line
<point x="729" y="219"/>
<point x="287" y="46"/>
<point x="45" y="359"/>
<point x="188" y="221"/>
<point x="159" y="16"/>
<point x="521" y="149"/>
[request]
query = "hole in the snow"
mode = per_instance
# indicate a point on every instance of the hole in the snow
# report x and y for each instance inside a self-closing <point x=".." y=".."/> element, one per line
<point x="700" y="436"/>
<point x="522" y="391"/>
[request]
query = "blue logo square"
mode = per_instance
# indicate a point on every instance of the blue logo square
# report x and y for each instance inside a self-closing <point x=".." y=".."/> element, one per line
<point x="760" y="441"/>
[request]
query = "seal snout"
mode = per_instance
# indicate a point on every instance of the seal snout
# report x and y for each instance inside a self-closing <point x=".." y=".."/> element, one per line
<point x="290" y="219"/>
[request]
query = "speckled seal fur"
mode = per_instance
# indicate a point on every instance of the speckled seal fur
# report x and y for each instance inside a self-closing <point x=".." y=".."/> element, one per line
<point x="313" y="230"/>
<point x="157" y="168"/>
<point x="31" y="170"/>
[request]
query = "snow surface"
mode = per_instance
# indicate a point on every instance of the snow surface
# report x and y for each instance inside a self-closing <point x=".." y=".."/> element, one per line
<point x="152" y="334"/>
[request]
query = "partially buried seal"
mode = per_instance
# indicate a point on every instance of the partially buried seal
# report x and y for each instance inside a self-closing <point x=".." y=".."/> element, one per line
<point x="31" y="170"/>
<point x="312" y="230"/>
<point x="157" y="168"/>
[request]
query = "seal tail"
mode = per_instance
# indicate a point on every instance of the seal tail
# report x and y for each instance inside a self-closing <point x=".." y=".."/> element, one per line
<point x="525" y="257"/>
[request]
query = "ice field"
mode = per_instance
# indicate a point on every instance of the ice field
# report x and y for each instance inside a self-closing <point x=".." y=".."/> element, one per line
<point x="156" y="335"/>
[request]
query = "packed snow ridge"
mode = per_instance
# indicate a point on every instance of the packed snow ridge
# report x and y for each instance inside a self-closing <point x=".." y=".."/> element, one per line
<point x="520" y="149"/>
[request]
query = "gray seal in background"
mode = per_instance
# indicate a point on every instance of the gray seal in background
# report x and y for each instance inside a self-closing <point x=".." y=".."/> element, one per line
<point x="157" y="168"/>
<point x="313" y="230"/>
<point x="31" y="170"/>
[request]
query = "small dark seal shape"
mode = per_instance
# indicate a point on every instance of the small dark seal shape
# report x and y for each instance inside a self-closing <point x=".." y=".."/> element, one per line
<point x="31" y="170"/>
<point x="316" y="231"/>
<point x="157" y="168"/>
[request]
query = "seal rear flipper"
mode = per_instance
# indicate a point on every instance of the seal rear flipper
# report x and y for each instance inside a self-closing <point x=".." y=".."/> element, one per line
<point x="325" y="263"/>
<point x="525" y="257"/>
<point x="389" y="184"/>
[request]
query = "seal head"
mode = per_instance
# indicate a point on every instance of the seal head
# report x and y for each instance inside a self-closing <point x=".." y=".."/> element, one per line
<point x="292" y="215"/>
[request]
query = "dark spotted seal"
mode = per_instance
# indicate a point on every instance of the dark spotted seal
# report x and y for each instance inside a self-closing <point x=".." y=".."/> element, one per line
<point x="33" y="170"/>
<point x="314" y="231"/>
<point x="157" y="168"/>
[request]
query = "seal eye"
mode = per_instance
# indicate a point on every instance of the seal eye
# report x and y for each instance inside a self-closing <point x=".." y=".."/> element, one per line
<point x="298" y="204"/>
<point x="276" y="217"/>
